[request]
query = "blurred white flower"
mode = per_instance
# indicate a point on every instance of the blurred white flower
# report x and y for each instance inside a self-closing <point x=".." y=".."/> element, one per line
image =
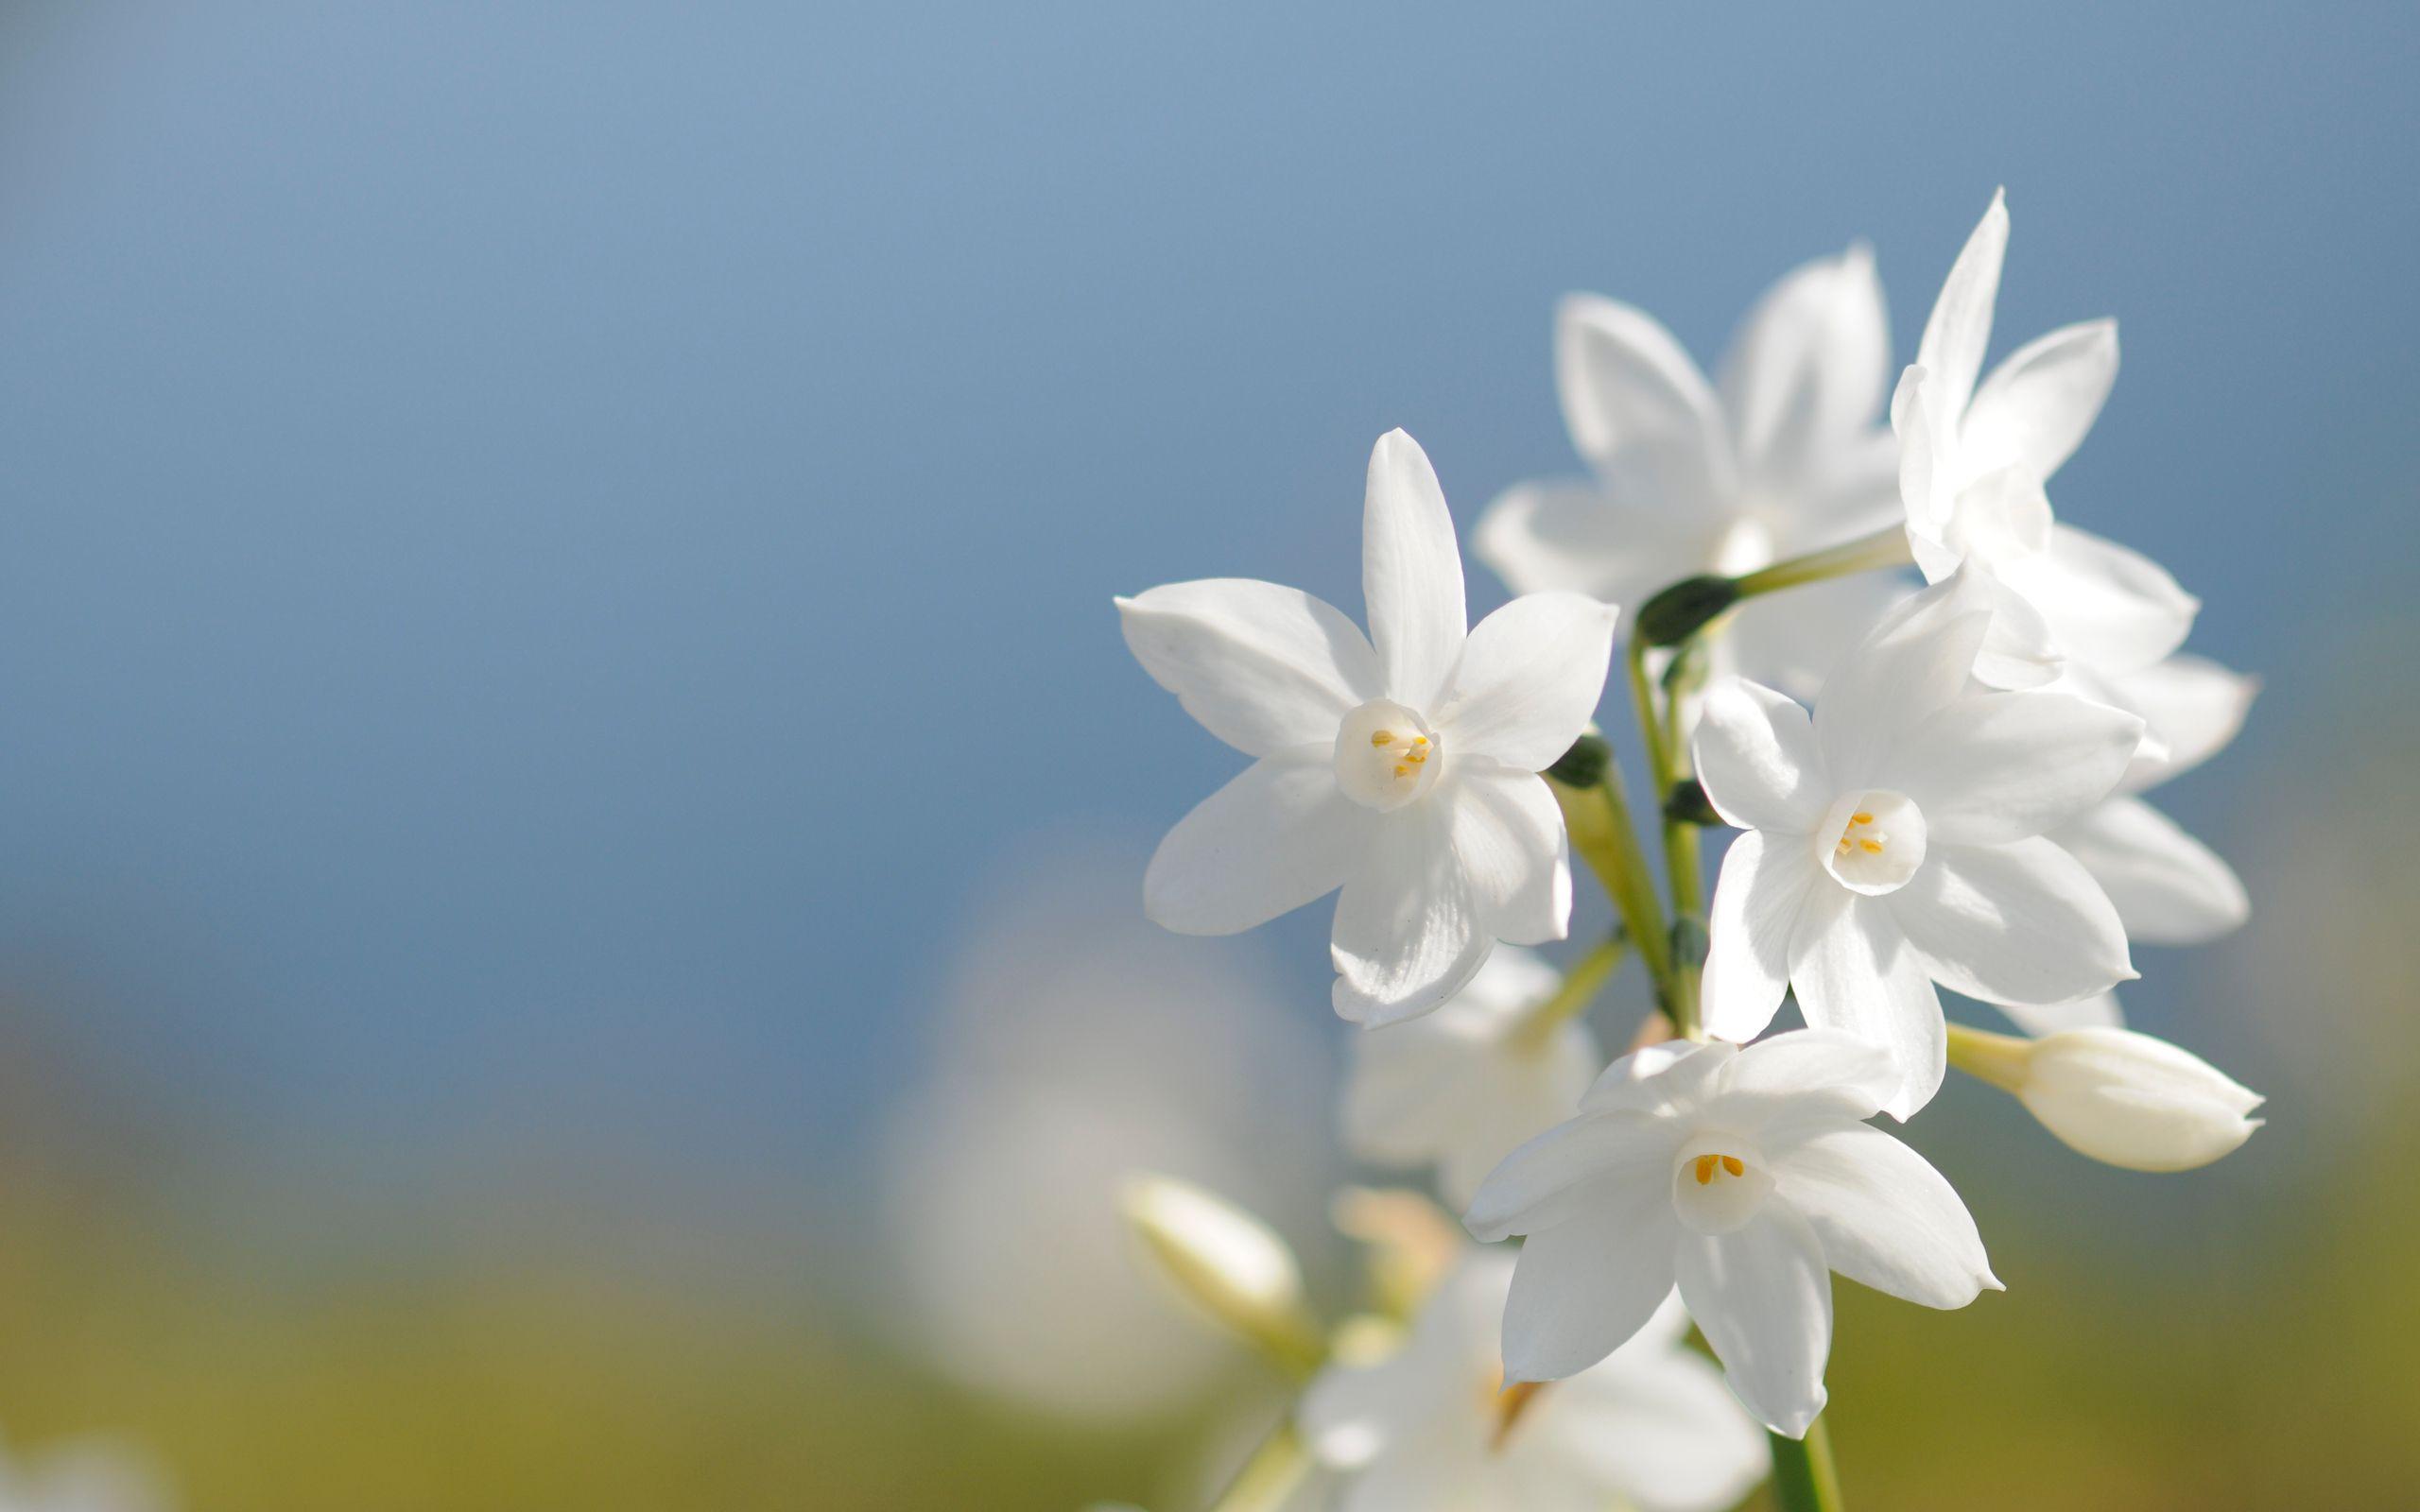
<point x="2120" y="1098"/>
<point x="1748" y="1176"/>
<point x="2168" y="887"/>
<point x="93" y="1474"/>
<point x="1649" y="1426"/>
<point x="1972" y="465"/>
<point x="1080" y="1047"/>
<point x="1401" y="767"/>
<point x="1461" y="1087"/>
<point x="1895" y="841"/>
<point x="1786" y="454"/>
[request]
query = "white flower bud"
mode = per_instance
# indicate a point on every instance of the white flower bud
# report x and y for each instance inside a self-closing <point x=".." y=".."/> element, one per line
<point x="1228" y="1262"/>
<point x="2116" y="1095"/>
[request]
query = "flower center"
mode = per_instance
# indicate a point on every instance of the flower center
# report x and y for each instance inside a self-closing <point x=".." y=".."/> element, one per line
<point x="1386" y="755"/>
<point x="1871" y="842"/>
<point x="1718" y="1183"/>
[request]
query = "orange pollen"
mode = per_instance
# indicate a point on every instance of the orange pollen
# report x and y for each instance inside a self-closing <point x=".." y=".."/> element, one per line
<point x="1705" y="1166"/>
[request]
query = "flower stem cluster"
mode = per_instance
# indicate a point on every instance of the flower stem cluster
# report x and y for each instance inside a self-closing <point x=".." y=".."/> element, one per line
<point x="1933" y="787"/>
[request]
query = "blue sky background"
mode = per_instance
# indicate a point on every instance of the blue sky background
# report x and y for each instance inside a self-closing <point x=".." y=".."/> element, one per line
<point x="555" y="553"/>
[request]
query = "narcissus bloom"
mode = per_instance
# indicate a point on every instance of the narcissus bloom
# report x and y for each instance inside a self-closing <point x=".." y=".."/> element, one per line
<point x="1972" y="464"/>
<point x="1401" y="767"/>
<point x="1895" y="841"/>
<point x="1785" y="453"/>
<point x="1748" y="1176"/>
<point x="1649" y="1427"/>
<point x="1464" y="1086"/>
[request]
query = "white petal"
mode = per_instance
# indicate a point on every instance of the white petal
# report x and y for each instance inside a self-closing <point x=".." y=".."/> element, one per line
<point x="1788" y="640"/>
<point x="1637" y="407"/>
<point x="1509" y="841"/>
<point x="2022" y="922"/>
<point x="1757" y="900"/>
<point x="1820" y="1075"/>
<point x="2020" y="650"/>
<point x="1763" y="1297"/>
<point x="1522" y="1100"/>
<point x="2168" y="887"/>
<point x="2038" y="403"/>
<point x="1995" y="768"/>
<point x="1528" y="681"/>
<point x="1926" y="433"/>
<point x="2098" y="1011"/>
<point x="1351" y="1416"/>
<point x="2107" y="606"/>
<point x="1887" y="1218"/>
<point x="1566" y="1169"/>
<point x="1809" y="368"/>
<point x="1262" y="667"/>
<point x="1654" y="1426"/>
<point x="1411" y="572"/>
<point x="1757" y="759"/>
<point x="1915" y="661"/>
<point x="1277" y="837"/>
<point x="2193" y="705"/>
<point x="1586" y="1285"/>
<point x="1408" y="930"/>
<point x="1959" y="327"/>
<point x="1667" y="1076"/>
<point x="1853" y="971"/>
<point x="1569" y="535"/>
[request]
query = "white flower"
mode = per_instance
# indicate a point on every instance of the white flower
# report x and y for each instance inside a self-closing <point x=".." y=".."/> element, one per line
<point x="1787" y="455"/>
<point x="2117" y="1096"/>
<point x="1748" y="1176"/>
<point x="1649" y="1427"/>
<point x="1401" y="767"/>
<point x="1972" y="465"/>
<point x="2168" y="887"/>
<point x="1465" y="1085"/>
<point x="1895" y="841"/>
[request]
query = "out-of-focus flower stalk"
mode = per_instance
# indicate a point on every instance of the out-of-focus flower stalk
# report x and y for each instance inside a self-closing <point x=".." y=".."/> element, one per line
<point x="1230" y="1263"/>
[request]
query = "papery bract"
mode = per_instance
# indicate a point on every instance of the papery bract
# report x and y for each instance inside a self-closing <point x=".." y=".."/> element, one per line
<point x="1401" y="767"/>
<point x="1748" y="1176"/>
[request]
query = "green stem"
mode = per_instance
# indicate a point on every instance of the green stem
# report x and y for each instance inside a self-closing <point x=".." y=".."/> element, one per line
<point x="1681" y="864"/>
<point x="1598" y="819"/>
<point x="1269" y="1478"/>
<point x="1887" y="547"/>
<point x="1805" y="1477"/>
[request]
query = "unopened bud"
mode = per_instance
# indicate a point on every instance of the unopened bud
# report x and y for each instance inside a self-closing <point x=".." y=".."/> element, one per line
<point x="2118" y="1097"/>
<point x="1230" y="1263"/>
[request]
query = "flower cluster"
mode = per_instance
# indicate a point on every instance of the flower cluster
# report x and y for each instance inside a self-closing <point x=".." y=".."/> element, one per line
<point x="1954" y="804"/>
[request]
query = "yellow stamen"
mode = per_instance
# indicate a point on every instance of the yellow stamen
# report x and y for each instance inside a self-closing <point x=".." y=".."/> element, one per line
<point x="1382" y="737"/>
<point x="1705" y="1164"/>
<point x="1870" y="847"/>
<point x="1731" y="1163"/>
<point x="1401" y="768"/>
<point x="1861" y="818"/>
